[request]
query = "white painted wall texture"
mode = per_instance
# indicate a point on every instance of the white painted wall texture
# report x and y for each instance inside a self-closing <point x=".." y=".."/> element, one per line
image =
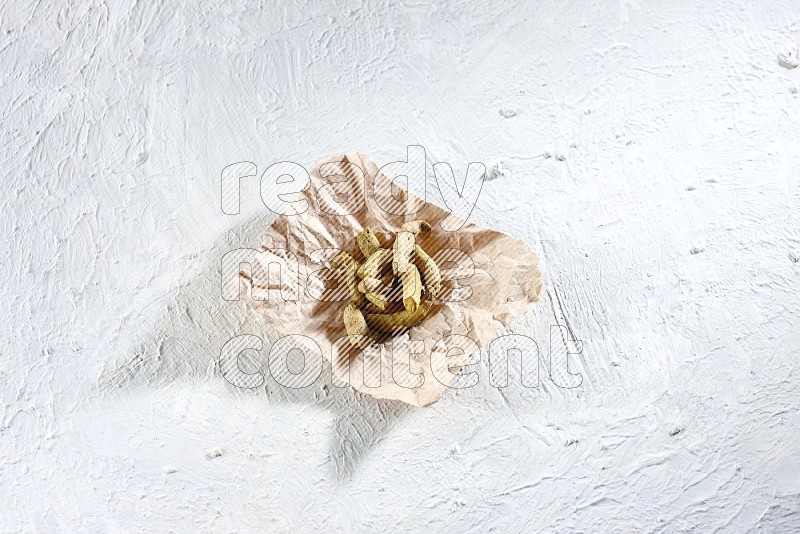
<point x="650" y="151"/>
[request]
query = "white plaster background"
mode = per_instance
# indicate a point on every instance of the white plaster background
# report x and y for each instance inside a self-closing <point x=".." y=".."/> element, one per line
<point x="678" y="129"/>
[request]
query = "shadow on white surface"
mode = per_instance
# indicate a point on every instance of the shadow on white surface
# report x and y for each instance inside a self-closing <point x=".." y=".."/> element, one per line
<point x="185" y="348"/>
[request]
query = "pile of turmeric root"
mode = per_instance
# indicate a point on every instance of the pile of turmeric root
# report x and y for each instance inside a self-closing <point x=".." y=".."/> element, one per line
<point x="393" y="289"/>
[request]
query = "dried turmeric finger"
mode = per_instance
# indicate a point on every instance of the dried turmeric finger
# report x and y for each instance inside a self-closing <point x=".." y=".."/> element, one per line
<point x="412" y="288"/>
<point x="416" y="227"/>
<point x="391" y="323"/>
<point x="355" y="325"/>
<point x="429" y="271"/>
<point x="367" y="242"/>
<point x="404" y="245"/>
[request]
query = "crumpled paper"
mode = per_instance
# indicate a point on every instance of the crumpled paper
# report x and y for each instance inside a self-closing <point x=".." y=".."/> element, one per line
<point x="489" y="279"/>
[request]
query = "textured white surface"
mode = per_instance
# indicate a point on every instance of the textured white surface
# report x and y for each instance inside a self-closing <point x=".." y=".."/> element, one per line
<point x="650" y="150"/>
